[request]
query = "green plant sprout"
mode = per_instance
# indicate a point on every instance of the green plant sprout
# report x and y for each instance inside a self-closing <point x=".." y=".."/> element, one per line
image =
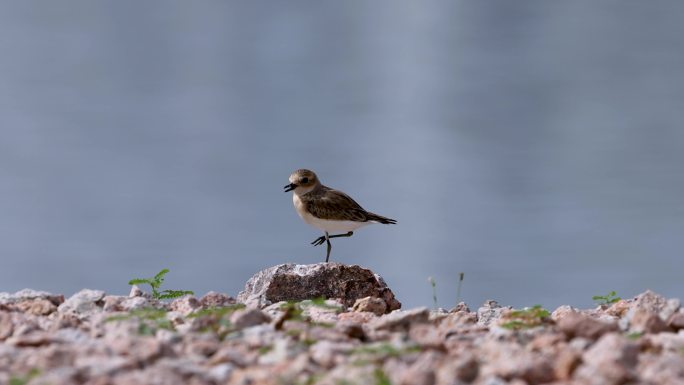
<point x="320" y="302"/>
<point x="151" y="320"/>
<point x="608" y="299"/>
<point x="526" y="318"/>
<point x="295" y="311"/>
<point x="22" y="380"/>
<point x="156" y="282"/>
<point x="458" y="289"/>
<point x="309" y="379"/>
<point x="378" y="352"/>
<point x="634" y="335"/>
<point x="434" y="291"/>
<point x="217" y="312"/>
<point x="265" y="349"/>
<point x="216" y="320"/>
<point x="385" y="350"/>
<point x="380" y="377"/>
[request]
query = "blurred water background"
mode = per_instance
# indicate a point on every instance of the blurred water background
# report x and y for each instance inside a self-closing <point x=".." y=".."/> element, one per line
<point x="536" y="146"/>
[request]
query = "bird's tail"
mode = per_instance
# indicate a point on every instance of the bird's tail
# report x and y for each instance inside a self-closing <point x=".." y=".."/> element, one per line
<point x="381" y="219"/>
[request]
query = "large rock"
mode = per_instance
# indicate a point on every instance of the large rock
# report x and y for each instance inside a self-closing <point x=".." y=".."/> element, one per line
<point x="292" y="282"/>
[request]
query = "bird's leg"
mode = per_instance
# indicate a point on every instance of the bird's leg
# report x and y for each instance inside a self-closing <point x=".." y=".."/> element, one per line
<point x="349" y="234"/>
<point x="327" y="239"/>
<point x="321" y="239"/>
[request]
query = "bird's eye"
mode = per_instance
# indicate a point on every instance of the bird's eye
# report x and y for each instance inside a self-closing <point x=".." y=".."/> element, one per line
<point x="305" y="180"/>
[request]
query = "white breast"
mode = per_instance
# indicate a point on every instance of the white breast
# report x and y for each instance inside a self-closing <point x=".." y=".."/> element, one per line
<point x="327" y="225"/>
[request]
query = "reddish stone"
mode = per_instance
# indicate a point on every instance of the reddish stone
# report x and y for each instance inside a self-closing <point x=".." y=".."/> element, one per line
<point x="291" y="282"/>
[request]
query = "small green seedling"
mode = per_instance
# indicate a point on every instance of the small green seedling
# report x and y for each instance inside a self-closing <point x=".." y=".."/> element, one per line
<point x="217" y="312"/>
<point x="295" y="311"/>
<point x="458" y="289"/>
<point x="380" y="377"/>
<point x="634" y="335"/>
<point x="320" y="302"/>
<point x="156" y="282"/>
<point x="434" y="291"/>
<point x="150" y="319"/>
<point x="265" y="349"/>
<point x="385" y="349"/>
<point x="310" y="379"/>
<point x="526" y="318"/>
<point x="216" y="320"/>
<point x="379" y="352"/>
<point x="22" y="380"/>
<point x="608" y="299"/>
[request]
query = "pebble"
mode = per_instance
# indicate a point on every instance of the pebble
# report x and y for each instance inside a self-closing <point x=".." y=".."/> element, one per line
<point x="93" y="339"/>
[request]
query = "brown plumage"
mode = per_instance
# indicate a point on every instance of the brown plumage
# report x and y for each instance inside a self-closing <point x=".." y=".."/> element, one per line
<point x="326" y="203"/>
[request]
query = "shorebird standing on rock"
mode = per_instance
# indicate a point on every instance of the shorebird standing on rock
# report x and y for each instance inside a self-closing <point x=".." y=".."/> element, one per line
<point x="328" y="209"/>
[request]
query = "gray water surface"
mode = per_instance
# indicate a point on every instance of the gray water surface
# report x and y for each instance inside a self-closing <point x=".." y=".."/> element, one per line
<point x="536" y="146"/>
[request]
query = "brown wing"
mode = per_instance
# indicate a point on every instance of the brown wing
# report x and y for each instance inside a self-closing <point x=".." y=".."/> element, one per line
<point x="335" y="205"/>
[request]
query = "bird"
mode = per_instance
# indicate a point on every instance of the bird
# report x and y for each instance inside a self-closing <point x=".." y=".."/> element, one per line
<point x="328" y="209"/>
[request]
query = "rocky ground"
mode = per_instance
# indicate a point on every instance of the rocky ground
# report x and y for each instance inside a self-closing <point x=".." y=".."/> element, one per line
<point x="272" y="334"/>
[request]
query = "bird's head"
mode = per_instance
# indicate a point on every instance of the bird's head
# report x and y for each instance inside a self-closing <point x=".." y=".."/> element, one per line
<point x="302" y="181"/>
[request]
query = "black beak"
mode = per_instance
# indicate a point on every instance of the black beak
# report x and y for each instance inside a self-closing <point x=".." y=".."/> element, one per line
<point x="290" y="187"/>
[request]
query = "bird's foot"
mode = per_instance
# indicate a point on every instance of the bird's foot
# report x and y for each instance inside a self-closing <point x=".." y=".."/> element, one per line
<point x="319" y="240"/>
